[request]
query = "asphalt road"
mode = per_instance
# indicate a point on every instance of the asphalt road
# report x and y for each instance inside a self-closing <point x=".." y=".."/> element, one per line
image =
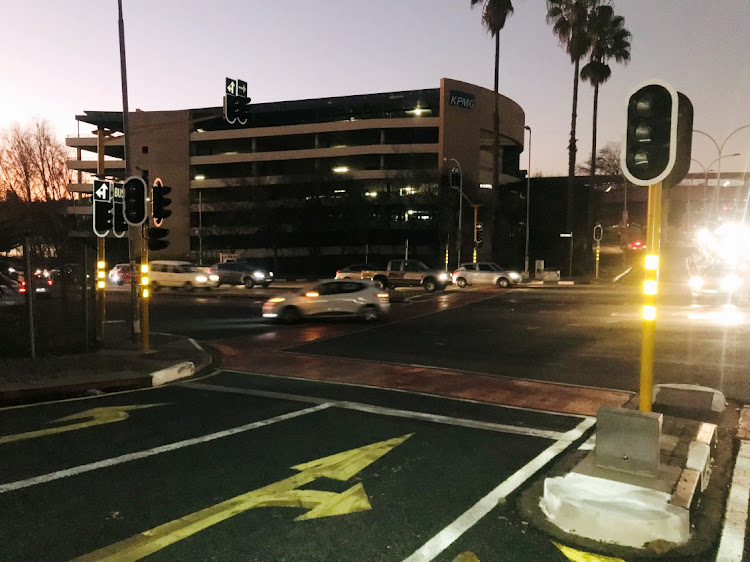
<point x="582" y="335"/>
<point x="242" y="467"/>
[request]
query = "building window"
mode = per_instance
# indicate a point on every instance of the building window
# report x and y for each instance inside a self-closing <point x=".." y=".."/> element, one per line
<point x="144" y="150"/>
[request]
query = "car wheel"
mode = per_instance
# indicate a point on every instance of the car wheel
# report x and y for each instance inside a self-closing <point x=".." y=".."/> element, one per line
<point x="248" y="282"/>
<point x="369" y="313"/>
<point x="290" y="315"/>
<point x="503" y="283"/>
<point x="429" y="285"/>
<point x="188" y="286"/>
<point x="461" y="282"/>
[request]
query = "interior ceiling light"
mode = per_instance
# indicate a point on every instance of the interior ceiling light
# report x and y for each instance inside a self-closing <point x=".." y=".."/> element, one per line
<point x="340" y="169"/>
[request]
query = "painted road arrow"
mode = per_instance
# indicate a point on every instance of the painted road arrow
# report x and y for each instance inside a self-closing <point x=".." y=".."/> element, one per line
<point x="284" y="493"/>
<point x="99" y="416"/>
<point x="581" y="556"/>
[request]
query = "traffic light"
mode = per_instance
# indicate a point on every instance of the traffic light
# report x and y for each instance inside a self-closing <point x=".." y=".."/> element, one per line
<point x="103" y="221"/>
<point x="455" y="177"/>
<point x="160" y="201"/>
<point x="480" y="234"/>
<point x="658" y="135"/>
<point x="156" y="238"/>
<point x="236" y="108"/>
<point x="135" y="200"/>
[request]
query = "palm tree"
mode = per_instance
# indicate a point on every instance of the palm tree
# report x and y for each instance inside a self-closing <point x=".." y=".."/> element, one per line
<point x="609" y="40"/>
<point x="569" y="19"/>
<point x="494" y="15"/>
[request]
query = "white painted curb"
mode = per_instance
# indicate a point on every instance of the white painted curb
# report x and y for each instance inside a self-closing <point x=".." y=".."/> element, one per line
<point x="173" y="373"/>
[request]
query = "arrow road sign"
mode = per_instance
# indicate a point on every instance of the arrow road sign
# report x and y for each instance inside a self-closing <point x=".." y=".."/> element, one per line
<point x="231" y="87"/>
<point x="102" y="195"/>
<point x="242" y="88"/>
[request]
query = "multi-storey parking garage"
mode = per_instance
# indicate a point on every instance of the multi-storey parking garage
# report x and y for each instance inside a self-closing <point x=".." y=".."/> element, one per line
<point x="314" y="184"/>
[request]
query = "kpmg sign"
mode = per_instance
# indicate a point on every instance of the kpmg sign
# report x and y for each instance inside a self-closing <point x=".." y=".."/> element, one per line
<point x="461" y="99"/>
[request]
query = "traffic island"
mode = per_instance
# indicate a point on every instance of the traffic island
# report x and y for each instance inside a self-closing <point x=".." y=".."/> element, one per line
<point x="611" y="512"/>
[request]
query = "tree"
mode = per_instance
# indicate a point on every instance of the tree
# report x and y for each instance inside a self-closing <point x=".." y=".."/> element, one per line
<point x="33" y="186"/>
<point x="607" y="162"/>
<point x="609" y="40"/>
<point x="570" y="23"/>
<point x="494" y="15"/>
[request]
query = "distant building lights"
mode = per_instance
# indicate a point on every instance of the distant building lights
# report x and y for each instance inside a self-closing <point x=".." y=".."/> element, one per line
<point x="371" y="193"/>
<point x="485" y="185"/>
<point x="339" y="190"/>
<point x="200" y="177"/>
<point x="340" y="169"/>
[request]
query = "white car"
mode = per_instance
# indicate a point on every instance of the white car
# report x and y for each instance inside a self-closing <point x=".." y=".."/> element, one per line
<point x="338" y="297"/>
<point x="172" y="273"/>
<point x="484" y="273"/>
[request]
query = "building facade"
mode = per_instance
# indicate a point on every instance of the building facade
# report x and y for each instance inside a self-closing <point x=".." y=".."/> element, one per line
<point x="316" y="184"/>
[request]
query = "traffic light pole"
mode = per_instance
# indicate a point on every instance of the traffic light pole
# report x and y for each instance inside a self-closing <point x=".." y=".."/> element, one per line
<point x="650" y="285"/>
<point x="145" y="286"/>
<point x="100" y="256"/>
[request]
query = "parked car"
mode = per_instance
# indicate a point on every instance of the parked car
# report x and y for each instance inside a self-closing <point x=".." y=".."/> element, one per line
<point x="484" y="273"/>
<point x="354" y="271"/>
<point x="338" y="297"/>
<point x="42" y="283"/>
<point x="172" y="273"/>
<point x="241" y="273"/>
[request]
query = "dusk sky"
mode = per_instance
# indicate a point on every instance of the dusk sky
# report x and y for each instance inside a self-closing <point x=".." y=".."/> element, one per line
<point x="61" y="58"/>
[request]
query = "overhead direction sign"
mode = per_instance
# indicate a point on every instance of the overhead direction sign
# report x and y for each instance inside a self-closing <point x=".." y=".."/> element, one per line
<point x="230" y="88"/>
<point x="236" y="101"/>
<point x="242" y="88"/>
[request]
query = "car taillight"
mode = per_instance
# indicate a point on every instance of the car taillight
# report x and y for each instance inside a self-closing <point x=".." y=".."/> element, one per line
<point x="382" y="295"/>
<point x="22" y="288"/>
<point x="337" y="273"/>
<point x="456" y="271"/>
<point x="50" y="282"/>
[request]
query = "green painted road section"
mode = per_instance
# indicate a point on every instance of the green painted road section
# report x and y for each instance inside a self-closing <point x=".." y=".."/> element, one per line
<point x="255" y="468"/>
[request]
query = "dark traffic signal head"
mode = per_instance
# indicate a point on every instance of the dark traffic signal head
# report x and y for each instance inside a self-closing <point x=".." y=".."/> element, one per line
<point x="160" y="201"/>
<point x="156" y="238"/>
<point x="655" y="149"/>
<point x="455" y="177"/>
<point x="136" y="200"/>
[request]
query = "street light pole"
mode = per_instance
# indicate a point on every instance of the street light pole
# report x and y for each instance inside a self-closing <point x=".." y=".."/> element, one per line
<point x="720" y="150"/>
<point x="528" y="192"/>
<point x="707" y="169"/>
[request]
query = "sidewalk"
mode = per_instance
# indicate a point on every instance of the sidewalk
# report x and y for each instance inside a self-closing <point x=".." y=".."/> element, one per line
<point x="117" y="365"/>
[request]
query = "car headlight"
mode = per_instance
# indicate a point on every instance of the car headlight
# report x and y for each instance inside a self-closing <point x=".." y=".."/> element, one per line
<point x="270" y="273"/>
<point x="513" y="275"/>
<point x="730" y="283"/>
<point x="258" y="274"/>
<point x="444" y="277"/>
<point x="695" y="283"/>
<point x="201" y="278"/>
<point x="213" y="277"/>
<point x="276" y="300"/>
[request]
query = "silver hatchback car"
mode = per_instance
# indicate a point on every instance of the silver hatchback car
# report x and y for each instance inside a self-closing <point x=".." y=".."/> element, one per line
<point x="484" y="273"/>
<point x="338" y="297"/>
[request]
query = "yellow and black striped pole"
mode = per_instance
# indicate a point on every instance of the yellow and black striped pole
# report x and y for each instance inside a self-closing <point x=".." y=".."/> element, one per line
<point x="650" y="289"/>
<point x="145" y="292"/>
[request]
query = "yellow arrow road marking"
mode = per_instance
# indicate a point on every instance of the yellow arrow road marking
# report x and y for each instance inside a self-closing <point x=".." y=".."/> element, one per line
<point x="285" y="493"/>
<point x="581" y="556"/>
<point x="99" y="416"/>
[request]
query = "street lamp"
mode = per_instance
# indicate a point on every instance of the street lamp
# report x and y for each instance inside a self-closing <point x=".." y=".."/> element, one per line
<point x="720" y="149"/>
<point x="528" y="182"/>
<point x="707" y="169"/>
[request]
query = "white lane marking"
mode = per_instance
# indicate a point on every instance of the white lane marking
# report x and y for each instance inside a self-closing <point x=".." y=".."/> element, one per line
<point x="435" y="418"/>
<point x="155" y="451"/>
<point x="732" y="542"/>
<point x="470" y="517"/>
